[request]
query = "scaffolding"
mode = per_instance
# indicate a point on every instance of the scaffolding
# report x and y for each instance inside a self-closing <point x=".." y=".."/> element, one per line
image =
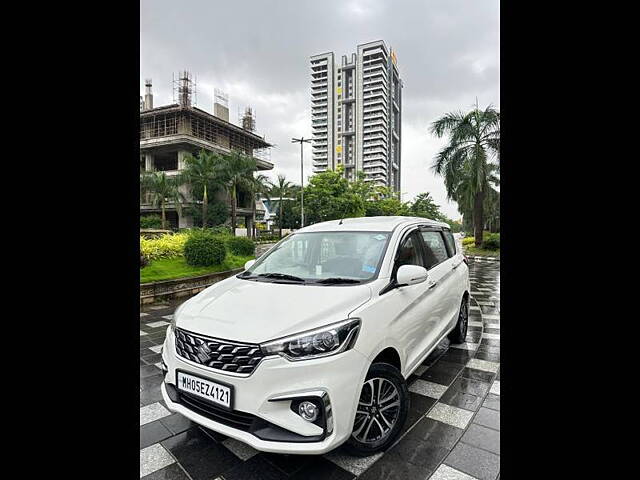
<point x="184" y="89"/>
<point x="247" y="119"/>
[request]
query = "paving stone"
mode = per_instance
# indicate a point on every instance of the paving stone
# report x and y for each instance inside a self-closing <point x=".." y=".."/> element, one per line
<point x="241" y="450"/>
<point x="172" y="472"/>
<point x="154" y="458"/>
<point x="488" y="418"/>
<point x="157" y="324"/>
<point x="483" y="365"/>
<point x="429" y="389"/>
<point x="143" y="333"/>
<point x="492" y="401"/>
<point x="474" y="461"/>
<point x="482" y="437"/>
<point x="153" y="432"/>
<point x="450" y="415"/>
<point x="494" y="336"/>
<point x="355" y="465"/>
<point x="152" y="412"/>
<point x="445" y="472"/>
<point x="495" y="388"/>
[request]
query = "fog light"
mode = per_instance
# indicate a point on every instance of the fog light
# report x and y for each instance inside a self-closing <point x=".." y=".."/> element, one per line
<point x="308" y="411"/>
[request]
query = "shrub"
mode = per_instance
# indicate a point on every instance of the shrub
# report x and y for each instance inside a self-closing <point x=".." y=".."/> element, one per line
<point x="150" y="221"/>
<point x="203" y="249"/>
<point x="491" y="241"/>
<point x="165" y="246"/>
<point x="468" y="240"/>
<point x="241" y="246"/>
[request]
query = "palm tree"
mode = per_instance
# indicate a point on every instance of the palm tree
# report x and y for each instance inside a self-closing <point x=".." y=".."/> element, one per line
<point x="235" y="169"/>
<point x="282" y="188"/>
<point x="259" y="185"/>
<point x="201" y="171"/>
<point x="466" y="162"/>
<point x="162" y="190"/>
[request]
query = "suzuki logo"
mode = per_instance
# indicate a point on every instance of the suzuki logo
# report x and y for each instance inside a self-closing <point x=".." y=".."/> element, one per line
<point x="203" y="352"/>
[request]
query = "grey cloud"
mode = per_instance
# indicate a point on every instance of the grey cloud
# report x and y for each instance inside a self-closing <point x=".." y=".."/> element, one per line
<point x="258" y="51"/>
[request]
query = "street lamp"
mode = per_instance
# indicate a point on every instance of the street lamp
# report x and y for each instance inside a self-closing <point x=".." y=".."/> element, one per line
<point x="301" y="141"/>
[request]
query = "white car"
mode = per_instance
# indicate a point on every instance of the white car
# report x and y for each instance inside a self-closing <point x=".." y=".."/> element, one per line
<point x="310" y="347"/>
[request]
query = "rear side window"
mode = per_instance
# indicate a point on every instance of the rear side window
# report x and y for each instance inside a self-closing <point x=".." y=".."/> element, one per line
<point x="435" y="248"/>
<point x="451" y="243"/>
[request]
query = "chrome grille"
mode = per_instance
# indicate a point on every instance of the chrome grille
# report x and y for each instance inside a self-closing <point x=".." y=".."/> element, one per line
<point x="218" y="354"/>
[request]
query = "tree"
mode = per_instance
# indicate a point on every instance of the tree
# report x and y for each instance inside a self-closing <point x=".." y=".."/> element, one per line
<point x="258" y="185"/>
<point x="281" y="188"/>
<point x="162" y="190"/>
<point x="384" y="202"/>
<point x="424" y="206"/>
<point x="330" y="196"/>
<point x="473" y="143"/>
<point x="235" y="171"/>
<point x="201" y="172"/>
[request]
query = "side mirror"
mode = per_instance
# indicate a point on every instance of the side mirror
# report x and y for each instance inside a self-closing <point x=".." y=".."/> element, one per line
<point x="411" y="275"/>
<point x="249" y="264"/>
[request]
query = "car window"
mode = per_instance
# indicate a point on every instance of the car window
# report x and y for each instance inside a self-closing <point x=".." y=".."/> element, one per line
<point x="435" y="248"/>
<point x="320" y="255"/>
<point x="409" y="252"/>
<point x="451" y="243"/>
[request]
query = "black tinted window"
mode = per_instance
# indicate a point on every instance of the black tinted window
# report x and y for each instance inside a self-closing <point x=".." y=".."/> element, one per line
<point x="435" y="248"/>
<point x="451" y="243"/>
<point x="410" y="252"/>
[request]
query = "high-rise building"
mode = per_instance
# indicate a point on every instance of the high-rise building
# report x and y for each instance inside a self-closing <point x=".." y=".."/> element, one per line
<point x="356" y="114"/>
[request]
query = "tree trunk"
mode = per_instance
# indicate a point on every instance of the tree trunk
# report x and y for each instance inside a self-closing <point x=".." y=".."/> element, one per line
<point x="233" y="210"/>
<point x="164" y="217"/>
<point x="205" y="204"/>
<point x="280" y="223"/>
<point x="478" y="222"/>
<point x="253" y="212"/>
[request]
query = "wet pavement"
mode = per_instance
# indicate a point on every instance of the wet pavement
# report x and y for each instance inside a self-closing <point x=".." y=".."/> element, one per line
<point x="452" y="430"/>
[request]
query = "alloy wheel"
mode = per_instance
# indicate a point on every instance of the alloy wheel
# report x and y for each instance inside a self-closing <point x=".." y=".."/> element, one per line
<point x="378" y="410"/>
<point x="464" y="317"/>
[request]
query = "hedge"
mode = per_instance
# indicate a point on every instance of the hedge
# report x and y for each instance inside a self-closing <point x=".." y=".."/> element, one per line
<point x="204" y="249"/>
<point x="165" y="246"/>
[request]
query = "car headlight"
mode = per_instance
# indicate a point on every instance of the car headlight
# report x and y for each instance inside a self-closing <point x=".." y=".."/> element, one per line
<point x="320" y="342"/>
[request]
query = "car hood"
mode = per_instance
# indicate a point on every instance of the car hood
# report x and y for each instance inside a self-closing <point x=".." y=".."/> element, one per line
<point x="254" y="312"/>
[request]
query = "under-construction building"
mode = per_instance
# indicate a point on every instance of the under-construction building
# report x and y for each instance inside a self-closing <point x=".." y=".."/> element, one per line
<point x="169" y="133"/>
<point x="356" y="111"/>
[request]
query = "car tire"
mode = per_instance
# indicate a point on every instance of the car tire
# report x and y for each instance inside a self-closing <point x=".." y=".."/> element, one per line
<point x="372" y="413"/>
<point x="459" y="332"/>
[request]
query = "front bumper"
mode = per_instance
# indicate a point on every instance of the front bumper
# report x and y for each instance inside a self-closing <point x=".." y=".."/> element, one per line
<point x="340" y="376"/>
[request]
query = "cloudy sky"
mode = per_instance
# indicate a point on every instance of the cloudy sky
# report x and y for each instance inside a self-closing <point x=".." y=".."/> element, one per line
<point x="258" y="52"/>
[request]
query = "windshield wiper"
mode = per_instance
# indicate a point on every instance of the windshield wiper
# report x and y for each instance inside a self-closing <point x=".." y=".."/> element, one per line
<point x="282" y="276"/>
<point x="336" y="280"/>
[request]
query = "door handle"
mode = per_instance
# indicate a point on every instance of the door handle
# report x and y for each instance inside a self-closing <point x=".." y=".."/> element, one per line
<point x="433" y="285"/>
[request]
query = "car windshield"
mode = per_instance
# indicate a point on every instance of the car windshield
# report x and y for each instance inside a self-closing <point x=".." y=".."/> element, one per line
<point x="327" y="258"/>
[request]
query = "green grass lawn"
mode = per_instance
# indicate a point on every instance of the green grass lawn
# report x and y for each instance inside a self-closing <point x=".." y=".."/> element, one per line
<point x="171" y="268"/>
<point x="472" y="250"/>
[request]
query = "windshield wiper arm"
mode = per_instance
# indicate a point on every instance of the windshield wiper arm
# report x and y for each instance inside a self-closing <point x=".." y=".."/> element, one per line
<point x="282" y="276"/>
<point x="337" y="280"/>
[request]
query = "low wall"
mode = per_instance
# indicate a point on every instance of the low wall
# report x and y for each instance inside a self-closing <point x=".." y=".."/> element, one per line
<point x="181" y="287"/>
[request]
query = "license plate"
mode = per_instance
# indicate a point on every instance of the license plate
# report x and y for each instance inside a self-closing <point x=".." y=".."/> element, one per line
<point x="203" y="388"/>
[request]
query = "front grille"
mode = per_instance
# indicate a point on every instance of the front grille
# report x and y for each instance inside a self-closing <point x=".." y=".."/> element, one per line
<point x="218" y="354"/>
<point x="236" y="419"/>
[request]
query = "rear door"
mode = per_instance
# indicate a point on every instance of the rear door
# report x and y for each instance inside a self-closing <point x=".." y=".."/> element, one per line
<point x="440" y="266"/>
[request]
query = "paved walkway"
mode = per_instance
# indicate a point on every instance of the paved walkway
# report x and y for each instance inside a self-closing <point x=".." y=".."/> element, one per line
<point x="452" y="431"/>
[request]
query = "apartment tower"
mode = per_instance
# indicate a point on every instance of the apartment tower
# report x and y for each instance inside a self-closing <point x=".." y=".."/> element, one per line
<point x="356" y="114"/>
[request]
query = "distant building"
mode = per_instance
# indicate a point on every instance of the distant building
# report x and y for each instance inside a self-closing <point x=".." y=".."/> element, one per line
<point x="168" y="133"/>
<point x="356" y="111"/>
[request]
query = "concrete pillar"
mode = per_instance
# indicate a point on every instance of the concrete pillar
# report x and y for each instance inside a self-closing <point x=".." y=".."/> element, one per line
<point x="185" y="221"/>
<point x="181" y="155"/>
<point x="148" y="162"/>
<point x="248" y="222"/>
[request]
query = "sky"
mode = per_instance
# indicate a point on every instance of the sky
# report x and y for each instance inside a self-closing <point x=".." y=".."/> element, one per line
<point x="258" y="52"/>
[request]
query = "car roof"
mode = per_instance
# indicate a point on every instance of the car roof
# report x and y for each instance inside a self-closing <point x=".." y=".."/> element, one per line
<point x="375" y="224"/>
